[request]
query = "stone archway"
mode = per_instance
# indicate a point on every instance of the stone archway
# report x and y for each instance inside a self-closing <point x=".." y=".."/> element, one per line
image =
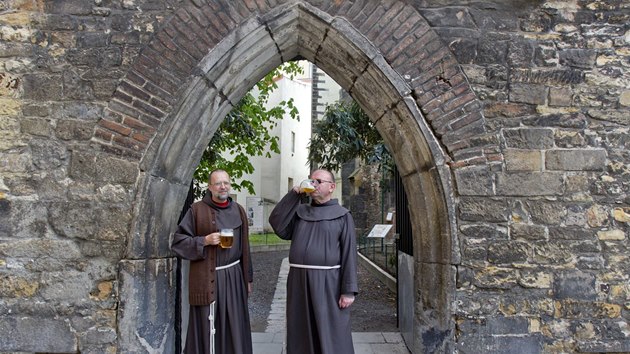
<point x="399" y="93"/>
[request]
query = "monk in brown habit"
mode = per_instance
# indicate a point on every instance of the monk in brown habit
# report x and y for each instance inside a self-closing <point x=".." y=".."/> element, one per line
<point x="322" y="280"/>
<point x="220" y="278"/>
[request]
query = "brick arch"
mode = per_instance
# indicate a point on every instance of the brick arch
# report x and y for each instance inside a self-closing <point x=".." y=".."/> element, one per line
<point x="206" y="57"/>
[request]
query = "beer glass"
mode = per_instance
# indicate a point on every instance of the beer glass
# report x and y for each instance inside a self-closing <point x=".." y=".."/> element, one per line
<point x="226" y="238"/>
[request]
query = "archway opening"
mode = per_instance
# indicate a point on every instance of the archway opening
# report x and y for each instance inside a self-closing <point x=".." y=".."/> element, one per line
<point x="223" y="76"/>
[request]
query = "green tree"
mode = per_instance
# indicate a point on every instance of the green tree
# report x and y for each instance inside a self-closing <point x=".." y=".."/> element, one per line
<point x="245" y="132"/>
<point x="344" y="133"/>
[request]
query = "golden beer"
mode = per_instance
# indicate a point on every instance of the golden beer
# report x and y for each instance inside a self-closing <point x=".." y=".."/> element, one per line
<point x="307" y="186"/>
<point x="226" y="238"/>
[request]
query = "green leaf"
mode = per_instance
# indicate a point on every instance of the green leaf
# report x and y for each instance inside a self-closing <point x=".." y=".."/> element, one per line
<point x="245" y="132"/>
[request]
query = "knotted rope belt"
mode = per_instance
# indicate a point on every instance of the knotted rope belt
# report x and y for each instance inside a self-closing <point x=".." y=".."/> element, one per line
<point x="307" y="266"/>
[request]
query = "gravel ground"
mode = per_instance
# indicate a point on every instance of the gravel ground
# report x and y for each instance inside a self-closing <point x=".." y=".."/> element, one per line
<point x="374" y="309"/>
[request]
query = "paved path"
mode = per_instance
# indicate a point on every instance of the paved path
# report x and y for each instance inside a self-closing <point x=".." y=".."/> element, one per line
<point x="272" y="340"/>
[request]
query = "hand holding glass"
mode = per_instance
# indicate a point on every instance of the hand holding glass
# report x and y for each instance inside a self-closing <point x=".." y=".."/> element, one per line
<point x="307" y="186"/>
<point x="226" y="238"/>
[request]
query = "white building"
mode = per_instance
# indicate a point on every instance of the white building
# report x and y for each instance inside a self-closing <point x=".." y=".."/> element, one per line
<point x="274" y="176"/>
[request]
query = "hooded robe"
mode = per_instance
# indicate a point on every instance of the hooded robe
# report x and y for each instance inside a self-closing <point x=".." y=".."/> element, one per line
<point x="323" y="236"/>
<point x="228" y="287"/>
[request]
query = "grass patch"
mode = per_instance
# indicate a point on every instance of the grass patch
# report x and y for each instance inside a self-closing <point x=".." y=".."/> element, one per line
<point x="266" y="239"/>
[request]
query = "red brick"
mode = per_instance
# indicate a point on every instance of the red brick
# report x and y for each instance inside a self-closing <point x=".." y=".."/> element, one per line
<point x="122" y="96"/>
<point x="134" y="91"/>
<point x="166" y="40"/>
<point x="120" y="151"/>
<point x="103" y="134"/>
<point x="115" y="127"/>
<point x="128" y="143"/>
<point x="458" y="101"/>
<point x="137" y="125"/>
<point x="142" y="138"/>
<point x="112" y="115"/>
<point x="135" y="78"/>
<point x="466" y="120"/>
<point x="189" y="48"/>
<point x="372" y="26"/>
<point x="148" y="109"/>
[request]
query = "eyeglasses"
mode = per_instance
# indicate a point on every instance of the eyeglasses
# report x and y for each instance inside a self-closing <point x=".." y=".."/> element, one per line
<point x="320" y="181"/>
<point x="219" y="184"/>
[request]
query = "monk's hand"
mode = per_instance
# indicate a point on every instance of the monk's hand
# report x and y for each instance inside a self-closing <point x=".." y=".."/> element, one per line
<point x="212" y="239"/>
<point x="345" y="301"/>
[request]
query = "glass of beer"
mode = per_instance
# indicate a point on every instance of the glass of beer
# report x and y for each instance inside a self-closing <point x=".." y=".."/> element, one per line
<point x="226" y="238"/>
<point x="307" y="186"/>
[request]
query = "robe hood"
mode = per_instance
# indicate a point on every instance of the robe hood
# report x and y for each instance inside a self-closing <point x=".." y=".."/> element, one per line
<point x="317" y="212"/>
<point x="230" y="217"/>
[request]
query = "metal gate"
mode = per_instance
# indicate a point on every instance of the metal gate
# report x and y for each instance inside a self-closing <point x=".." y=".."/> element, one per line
<point x="403" y="221"/>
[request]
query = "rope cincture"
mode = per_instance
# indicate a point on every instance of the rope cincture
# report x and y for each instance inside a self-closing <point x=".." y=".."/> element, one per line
<point x="307" y="266"/>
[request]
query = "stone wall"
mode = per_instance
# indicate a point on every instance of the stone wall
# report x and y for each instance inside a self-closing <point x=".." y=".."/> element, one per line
<point x="544" y="233"/>
<point x="508" y="120"/>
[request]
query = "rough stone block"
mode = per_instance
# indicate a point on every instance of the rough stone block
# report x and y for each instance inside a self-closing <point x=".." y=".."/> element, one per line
<point x="74" y="130"/>
<point x="529" y="184"/>
<point x="554" y="119"/>
<point x="43" y="87"/>
<point x="83" y="165"/>
<point x="148" y="285"/>
<point x="560" y="97"/>
<point x="492" y="50"/>
<point x="521" y="52"/>
<point x="449" y="17"/>
<point x="575" y="285"/>
<point x="535" y="279"/>
<point x="31" y="334"/>
<point x="475" y="180"/>
<point x="553" y="252"/>
<point x="92" y="39"/>
<point x="74" y="7"/>
<point x="31" y="219"/>
<point x="508" y="252"/>
<point x="496" y="278"/>
<point x="570" y="233"/>
<point x="569" y="139"/>
<point x="69" y="286"/>
<point x="611" y="235"/>
<point x="484" y="231"/>
<point x="48" y="154"/>
<point x="528" y="138"/>
<point x="483" y="209"/>
<point x="621" y="214"/>
<point x="576" y="160"/>
<point x="523" y="160"/>
<point x="491" y="326"/>
<point x="37" y="127"/>
<point x="114" y="170"/>
<point x="75" y="87"/>
<point x="579" y="58"/>
<point x="546" y="212"/>
<point x="528" y="232"/>
<point x="73" y="220"/>
<point x="528" y="93"/>
<point x="9" y="106"/>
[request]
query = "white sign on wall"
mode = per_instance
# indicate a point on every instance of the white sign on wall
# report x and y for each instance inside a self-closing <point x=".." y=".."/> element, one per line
<point x="380" y="230"/>
<point x="254" y="209"/>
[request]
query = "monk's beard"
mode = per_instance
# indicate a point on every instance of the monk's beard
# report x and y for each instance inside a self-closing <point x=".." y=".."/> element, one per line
<point x="222" y="197"/>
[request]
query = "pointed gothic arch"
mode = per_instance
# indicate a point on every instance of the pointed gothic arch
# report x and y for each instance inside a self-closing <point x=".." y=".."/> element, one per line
<point x="207" y="56"/>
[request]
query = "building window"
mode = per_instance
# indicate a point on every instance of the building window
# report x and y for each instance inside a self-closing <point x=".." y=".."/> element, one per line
<point x="293" y="142"/>
<point x="290" y="183"/>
